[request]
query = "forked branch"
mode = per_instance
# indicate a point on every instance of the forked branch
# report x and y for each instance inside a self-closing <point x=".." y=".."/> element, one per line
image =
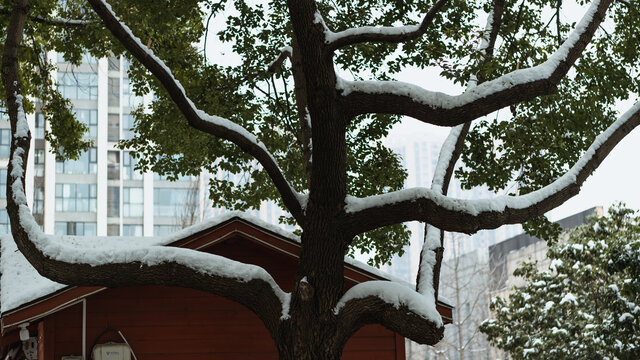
<point x="392" y="97"/>
<point x="469" y="216"/>
<point x="388" y="34"/>
<point x="214" y="125"/>
<point x="428" y="279"/>
<point x="395" y="306"/>
<point x="94" y="262"/>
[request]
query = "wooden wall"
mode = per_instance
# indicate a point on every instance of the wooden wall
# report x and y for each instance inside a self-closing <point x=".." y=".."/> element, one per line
<point x="164" y="323"/>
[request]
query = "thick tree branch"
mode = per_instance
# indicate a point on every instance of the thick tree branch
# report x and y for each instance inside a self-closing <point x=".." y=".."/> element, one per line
<point x="53" y="21"/>
<point x="469" y="216"/>
<point x="428" y="278"/>
<point x="392" y="305"/>
<point x="432" y="250"/>
<point x="214" y="125"/>
<point x="392" y="97"/>
<point x="388" y="34"/>
<point x="116" y="262"/>
<point x="285" y="52"/>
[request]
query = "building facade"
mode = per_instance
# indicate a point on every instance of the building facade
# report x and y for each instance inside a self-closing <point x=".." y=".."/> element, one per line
<point x="470" y="279"/>
<point x="100" y="193"/>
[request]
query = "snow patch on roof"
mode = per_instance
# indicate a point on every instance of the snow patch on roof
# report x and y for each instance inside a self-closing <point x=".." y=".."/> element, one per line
<point x="20" y="282"/>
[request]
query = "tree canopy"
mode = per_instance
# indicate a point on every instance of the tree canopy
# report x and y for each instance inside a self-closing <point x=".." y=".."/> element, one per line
<point x="531" y="148"/>
<point x="587" y="304"/>
<point x="315" y="146"/>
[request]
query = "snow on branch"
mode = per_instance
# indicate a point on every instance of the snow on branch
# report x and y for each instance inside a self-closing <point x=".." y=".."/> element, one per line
<point x="215" y="125"/>
<point x="428" y="278"/>
<point x="446" y="110"/>
<point x="469" y="216"/>
<point x="395" y="306"/>
<point x="285" y="52"/>
<point x="119" y="262"/>
<point x="389" y="34"/>
<point x="55" y="21"/>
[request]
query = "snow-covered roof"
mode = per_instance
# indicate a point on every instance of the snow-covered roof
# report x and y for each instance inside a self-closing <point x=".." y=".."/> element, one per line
<point x="21" y="283"/>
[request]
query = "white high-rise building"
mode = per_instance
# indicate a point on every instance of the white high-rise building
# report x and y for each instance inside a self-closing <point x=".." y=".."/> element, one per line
<point x="100" y="193"/>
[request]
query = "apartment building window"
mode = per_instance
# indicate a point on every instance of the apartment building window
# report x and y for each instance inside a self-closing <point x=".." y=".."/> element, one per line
<point x="5" y="143"/>
<point x="90" y="119"/>
<point x="87" y="163"/>
<point x="132" y="230"/>
<point x="133" y="202"/>
<point x="39" y="130"/>
<point x="171" y="201"/>
<point x="75" y="228"/>
<point x="4" y="222"/>
<point x="127" y="126"/>
<point x="3" y="183"/>
<point x="38" y="200"/>
<point x="78" y="86"/>
<point x="114" y="91"/>
<point x="114" y="127"/>
<point x="113" y="230"/>
<point x="128" y="97"/>
<point x="76" y="197"/>
<point x="113" y="165"/>
<point x="159" y="177"/>
<point x="86" y="59"/>
<point x="38" y="162"/>
<point x="113" y="201"/>
<point x="161" y="230"/>
<point x="4" y="114"/>
<point x="129" y="164"/>
<point x="114" y="63"/>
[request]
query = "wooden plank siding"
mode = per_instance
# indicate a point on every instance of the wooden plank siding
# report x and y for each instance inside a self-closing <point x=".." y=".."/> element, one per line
<point x="178" y="323"/>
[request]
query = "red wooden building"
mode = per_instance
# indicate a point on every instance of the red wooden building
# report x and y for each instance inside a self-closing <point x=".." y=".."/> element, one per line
<point x="162" y="323"/>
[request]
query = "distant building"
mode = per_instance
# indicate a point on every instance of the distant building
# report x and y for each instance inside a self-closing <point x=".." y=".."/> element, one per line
<point x="469" y="280"/>
<point x="100" y="193"/>
<point x="506" y="256"/>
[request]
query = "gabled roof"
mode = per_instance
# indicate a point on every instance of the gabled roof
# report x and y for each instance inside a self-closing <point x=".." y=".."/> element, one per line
<point x="27" y="296"/>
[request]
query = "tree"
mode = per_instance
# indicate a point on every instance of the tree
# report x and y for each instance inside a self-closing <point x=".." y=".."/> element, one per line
<point x="464" y="281"/>
<point x="317" y="318"/>
<point x="585" y="304"/>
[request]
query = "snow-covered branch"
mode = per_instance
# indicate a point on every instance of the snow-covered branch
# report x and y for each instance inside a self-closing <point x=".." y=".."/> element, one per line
<point x="214" y="125"/>
<point x="116" y="262"/>
<point x="389" y="34"/>
<point x="395" y="306"/>
<point x="432" y="250"/>
<point x="55" y="21"/>
<point x="469" y="216"/>
<point x="431" y="254"/>
<point x="438" y="108"/>
<point x="285" y="52"/>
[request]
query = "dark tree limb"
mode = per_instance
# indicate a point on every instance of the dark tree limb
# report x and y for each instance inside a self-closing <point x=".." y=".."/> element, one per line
<point x="469" y="216"/>
<point x="383" y="34"/>
<point x="54" y="21"/>
<point x="61" y="261"/>
<point x="450" y="153"/>
<point x="285" y="52"/>
<point x="401" y="317"/>
<point x="217" y="126"/>
<point x="390" y="97"/>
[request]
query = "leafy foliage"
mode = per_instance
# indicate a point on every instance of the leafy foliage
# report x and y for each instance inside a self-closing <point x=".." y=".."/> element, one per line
<point x="587" y="304"/>
<point x="531" y="148"/>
